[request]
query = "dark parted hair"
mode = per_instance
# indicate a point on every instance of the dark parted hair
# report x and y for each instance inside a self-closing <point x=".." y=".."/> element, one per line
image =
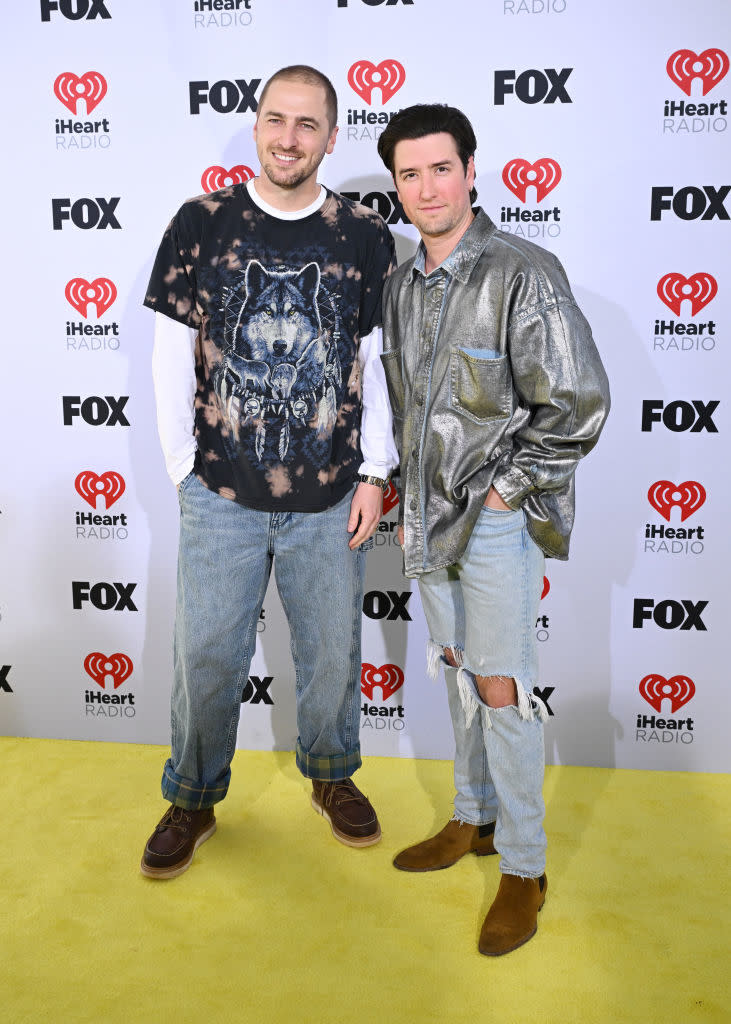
<point x="428" y="119"/>
<point x="310" y="76"/>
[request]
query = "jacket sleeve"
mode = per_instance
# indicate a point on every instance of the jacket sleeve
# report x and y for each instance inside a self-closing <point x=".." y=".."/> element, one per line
<point x="561" y="383"/>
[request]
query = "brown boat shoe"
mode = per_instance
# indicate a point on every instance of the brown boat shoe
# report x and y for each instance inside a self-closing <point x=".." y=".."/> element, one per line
<point x="169" y="850"/>
<point x="352" y="818"/>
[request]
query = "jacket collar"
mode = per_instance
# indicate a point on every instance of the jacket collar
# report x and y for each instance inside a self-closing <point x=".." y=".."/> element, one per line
<point x="462" y="259"/>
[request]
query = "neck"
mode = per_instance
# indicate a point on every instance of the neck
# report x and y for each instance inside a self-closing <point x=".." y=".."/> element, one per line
<point x="288" y="200"/>
<point x="438" y="247"/>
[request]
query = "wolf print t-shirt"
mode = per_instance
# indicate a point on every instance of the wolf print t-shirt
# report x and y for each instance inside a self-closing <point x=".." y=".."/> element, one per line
<point x="280" y="307"/>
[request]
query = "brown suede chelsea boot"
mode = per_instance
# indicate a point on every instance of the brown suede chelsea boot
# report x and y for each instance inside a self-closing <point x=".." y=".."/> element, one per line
<point x="447" y="847"/>
<point x="512" y="918"/>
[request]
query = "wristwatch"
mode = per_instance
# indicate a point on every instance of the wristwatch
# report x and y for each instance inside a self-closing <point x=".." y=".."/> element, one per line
<point x="377" y="481"/>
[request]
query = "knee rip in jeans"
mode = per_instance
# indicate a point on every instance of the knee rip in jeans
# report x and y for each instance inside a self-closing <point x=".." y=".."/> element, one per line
<point x="436" y="654"/>
<point x="528" y="704"/>
<point x="502" y="695"/>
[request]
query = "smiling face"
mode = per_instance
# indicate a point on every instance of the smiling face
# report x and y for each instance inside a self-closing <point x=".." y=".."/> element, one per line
<point x="433" y="186"/>
<point x="292" y="135"/>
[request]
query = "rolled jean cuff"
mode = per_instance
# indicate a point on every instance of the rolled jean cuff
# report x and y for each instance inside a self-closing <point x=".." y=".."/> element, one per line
<point x="193" y="796"/>
<point x="327" y="767"/>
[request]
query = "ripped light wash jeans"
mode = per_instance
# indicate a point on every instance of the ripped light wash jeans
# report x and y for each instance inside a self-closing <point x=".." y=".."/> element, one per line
<point x="485" y="608"/>
<point x="225" y="558"/>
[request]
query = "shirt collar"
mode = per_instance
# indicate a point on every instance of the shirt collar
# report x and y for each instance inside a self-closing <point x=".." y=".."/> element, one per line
<point x="462" y="259"/>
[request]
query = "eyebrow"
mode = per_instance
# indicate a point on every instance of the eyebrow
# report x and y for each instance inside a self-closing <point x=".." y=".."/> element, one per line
<point x="449" y="162"/>
<point x="300" y="118"/>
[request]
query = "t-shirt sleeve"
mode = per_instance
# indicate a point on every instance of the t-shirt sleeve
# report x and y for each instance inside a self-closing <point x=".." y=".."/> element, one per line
<point x="172" y="289"/>
<point x="380" y="262"/>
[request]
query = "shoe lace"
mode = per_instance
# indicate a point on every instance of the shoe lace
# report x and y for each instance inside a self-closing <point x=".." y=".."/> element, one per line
<point x="175" y="818"/>
<point x="342" y="792"/>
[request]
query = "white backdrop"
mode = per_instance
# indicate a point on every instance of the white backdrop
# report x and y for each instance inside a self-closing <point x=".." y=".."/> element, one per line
<point x="602" y="131"/>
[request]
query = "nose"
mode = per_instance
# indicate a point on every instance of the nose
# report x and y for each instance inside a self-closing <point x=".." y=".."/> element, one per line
<point x="427" y="190"/>
<point x="288" y="137"/>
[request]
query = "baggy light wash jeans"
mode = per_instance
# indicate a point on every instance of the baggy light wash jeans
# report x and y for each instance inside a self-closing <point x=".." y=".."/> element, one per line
<point x="485" y="608"/>
<point x="225" y="559"/>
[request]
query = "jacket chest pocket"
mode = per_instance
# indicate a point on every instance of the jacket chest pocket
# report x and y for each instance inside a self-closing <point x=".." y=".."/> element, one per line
<point x="394" y="381"/>
<point x="480" y="387"/>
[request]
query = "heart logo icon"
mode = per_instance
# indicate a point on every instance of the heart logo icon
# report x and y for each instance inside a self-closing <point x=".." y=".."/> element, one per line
<point x="390" y="497"/>
<point x="101" y="667"/>
<point x="698" y="288"/>
<point x="217" y="177"/>
<point x="110" y="485"/>
<point x="518" y="174"/>
<point x="388" y="76"/>
<point x="688" y="496"/>
<point x="389" y="678"/>
<point x="80" y="293"/>
<point x="91" y="87"/>
<point x="678" y="690"/>
<point x="710" y="66"/>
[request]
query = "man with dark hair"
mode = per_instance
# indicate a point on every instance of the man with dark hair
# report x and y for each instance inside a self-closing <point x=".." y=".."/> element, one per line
<point x="497" y="391"/>
<point x="423" y="119"/>
<point x="274" y="421"/>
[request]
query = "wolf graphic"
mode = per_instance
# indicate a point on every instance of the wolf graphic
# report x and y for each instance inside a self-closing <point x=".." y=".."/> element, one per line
<point x="281" y="365"/>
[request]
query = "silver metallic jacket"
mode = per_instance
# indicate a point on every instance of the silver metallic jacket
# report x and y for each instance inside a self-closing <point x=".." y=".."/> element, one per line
<point x="494" y="379"/>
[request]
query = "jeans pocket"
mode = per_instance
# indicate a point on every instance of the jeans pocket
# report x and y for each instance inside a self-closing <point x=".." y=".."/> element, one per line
<point x="500" y="513"/>
<point x="183" y="485"/>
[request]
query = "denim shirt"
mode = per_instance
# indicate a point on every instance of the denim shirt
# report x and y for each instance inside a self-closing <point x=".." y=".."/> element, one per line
<point x="494" y="380"/>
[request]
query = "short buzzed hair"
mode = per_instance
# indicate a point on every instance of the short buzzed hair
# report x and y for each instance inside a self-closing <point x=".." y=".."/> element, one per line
<point x="310" y="76"/>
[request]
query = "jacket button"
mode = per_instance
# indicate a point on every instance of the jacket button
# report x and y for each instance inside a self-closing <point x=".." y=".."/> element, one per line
<point x="412" y="506"/>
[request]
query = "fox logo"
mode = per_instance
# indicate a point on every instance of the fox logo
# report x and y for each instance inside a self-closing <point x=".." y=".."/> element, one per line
<point x="282" y="365"/>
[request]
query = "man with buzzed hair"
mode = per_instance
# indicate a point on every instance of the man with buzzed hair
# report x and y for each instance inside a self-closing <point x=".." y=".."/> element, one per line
<point x="275" y="425"/>
<point x="497" y="391"/>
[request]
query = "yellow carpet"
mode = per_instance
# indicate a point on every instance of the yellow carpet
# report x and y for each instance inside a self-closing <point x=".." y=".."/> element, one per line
<point x="277" y="922"/>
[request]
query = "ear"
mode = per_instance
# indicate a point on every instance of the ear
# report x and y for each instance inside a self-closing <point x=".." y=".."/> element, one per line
<point x="470" y="173"/>
<point x="308" y="280"/>
<point x="255" y="278"/>
<point x="331" y="140"/>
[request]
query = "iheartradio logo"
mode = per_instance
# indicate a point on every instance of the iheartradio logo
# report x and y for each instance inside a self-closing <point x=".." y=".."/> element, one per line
<point x="546" y="587"/>
<point x="81" y="293"/>
<point x="109" y="485"/>
<point x="518" y="174"/>
<point x="102" y="668"/>
<point x="699" y="289"/>
<point x="678" y="690"/>
<point x="91" y="87"/>
<point x="217" y="177"/>
<point x="710" y="66"/>
<point x="389" y="678"/>
<point x="388" y="76"/>
<point x="390" y="497"/>
<point x="688" y="497"/>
